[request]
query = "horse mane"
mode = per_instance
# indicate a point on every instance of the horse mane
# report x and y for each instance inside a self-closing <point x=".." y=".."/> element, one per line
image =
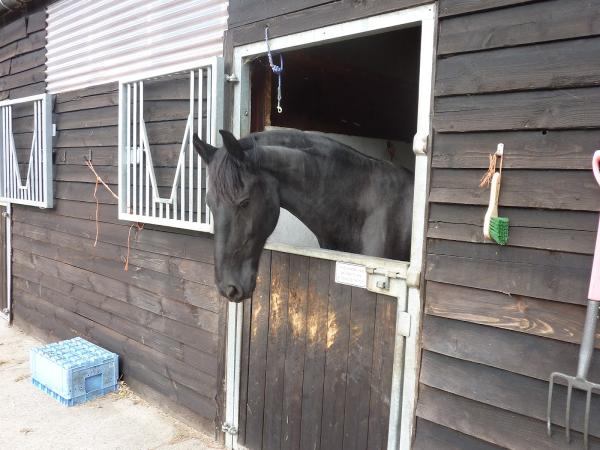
<point x="227" y="171"/>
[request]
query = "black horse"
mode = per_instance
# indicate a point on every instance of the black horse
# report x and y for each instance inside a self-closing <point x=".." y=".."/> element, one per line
<point x="351" y="202"/>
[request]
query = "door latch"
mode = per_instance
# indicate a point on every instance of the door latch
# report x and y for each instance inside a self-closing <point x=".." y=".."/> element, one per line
<point x="229" y="429"/>
<point x="385" y="282"/>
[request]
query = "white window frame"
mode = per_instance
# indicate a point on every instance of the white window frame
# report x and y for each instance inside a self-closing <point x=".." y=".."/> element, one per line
<point x="406" y="350"/>
<point x="140" y="157"/>
<point x="38" y="189"/>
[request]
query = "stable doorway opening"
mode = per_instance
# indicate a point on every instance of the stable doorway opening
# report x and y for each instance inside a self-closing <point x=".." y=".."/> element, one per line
<point x="362" y="92"/>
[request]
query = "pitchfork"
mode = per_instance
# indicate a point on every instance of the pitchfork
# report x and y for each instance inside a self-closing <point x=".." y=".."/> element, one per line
<point x="586" y="350"/>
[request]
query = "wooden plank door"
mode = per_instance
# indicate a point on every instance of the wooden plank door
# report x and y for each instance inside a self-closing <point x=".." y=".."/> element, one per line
<point x="316" y="359"/>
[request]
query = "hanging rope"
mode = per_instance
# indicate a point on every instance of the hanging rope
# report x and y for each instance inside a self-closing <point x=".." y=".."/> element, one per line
<point x="276" y="69"/>
<point x="138" y="225"/>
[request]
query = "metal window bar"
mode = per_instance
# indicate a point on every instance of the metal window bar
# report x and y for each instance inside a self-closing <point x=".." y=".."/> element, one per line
<point x="140" y="199"/>
<point x="36" y="189"/>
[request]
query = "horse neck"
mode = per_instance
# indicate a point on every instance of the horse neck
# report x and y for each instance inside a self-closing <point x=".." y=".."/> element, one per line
<point x="304" y="179"/>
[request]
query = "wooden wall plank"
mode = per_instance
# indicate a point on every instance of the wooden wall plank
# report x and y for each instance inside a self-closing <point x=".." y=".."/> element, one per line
<point x="360" y="360"/>
<point x="455" y="7"/>
<point x="13" y="31"/>
<point x="555" y="109"/>
<point x="243" y="12"/>
<point x="491" y="424"/>
<point x="568" y="285"/>
<point x="381" y="374"/>
<point x="258" y="354"/>
<point x="431" y="436"/>
<point x="336" y="365"/>
<point x="565" y="189"/>
<point x="535" y="273"/>
<point x="329" y="13"/>
<point x="26" y="91"/>
<point x="36" y="21"/>
<point x="87" y="137"/>
<point x="520" y="217"/>
<point x="110" y="98"/>
<point x="521" y="68"/>
<point x="520" y="353"/>
<point x="27" y="61"/>
<point x="276" y="344"/>
<point x="294" y="353"/>
<point x="244" y="370"/>
<point x="314" y="359"/>
<point x="505" y="390"/>
<point x="548" y="149"/>
<point x="546" y="239"/>
<point x="512" y="312"/>
<point x="524" y="24"/>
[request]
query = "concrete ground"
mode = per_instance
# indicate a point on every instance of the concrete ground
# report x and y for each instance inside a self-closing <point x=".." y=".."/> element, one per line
<point x="32" y="420"/>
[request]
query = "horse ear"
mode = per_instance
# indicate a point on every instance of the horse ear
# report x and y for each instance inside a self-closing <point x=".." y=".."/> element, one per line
<point x="206" y="151"/>
<point x="232" y="144"/>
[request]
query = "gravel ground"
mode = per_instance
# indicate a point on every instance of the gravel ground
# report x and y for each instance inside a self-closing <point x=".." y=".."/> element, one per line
<point x="32" y="420"/>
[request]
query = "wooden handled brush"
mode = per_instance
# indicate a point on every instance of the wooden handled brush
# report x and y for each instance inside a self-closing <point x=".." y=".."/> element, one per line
<point x="494" y="227"/>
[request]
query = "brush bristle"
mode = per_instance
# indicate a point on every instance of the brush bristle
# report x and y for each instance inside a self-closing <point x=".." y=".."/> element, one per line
<point x="499" y="229"/>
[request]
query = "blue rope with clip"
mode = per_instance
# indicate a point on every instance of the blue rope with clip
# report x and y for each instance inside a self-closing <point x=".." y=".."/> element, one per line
<point x="276" y="69"/>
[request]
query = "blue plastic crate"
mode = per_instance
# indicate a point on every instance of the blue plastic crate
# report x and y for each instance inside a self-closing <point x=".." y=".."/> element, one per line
<point x="74" y="371"/>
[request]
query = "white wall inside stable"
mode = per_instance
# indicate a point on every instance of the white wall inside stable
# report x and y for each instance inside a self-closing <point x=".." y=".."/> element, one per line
<point x="291" y="231"/>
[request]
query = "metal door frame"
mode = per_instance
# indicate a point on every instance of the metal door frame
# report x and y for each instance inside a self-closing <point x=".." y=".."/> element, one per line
<point x="7" y="314"/>
<point x="406" y="352"/>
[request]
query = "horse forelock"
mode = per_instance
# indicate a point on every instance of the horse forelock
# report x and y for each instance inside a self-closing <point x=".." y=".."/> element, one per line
<point x="227" y="173"/>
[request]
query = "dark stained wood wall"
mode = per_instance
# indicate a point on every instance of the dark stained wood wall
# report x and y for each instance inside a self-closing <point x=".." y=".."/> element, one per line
<point x="248" y="18"/>
<point x="499" y="320"/>
<point x="317" y="359"/>
<point x="23" y="56"/>
<point x="163" y="317"/>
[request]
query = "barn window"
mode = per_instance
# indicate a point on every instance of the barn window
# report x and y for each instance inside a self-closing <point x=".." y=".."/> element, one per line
<point x="26" y="148"/>
<point x="162" y="180"/>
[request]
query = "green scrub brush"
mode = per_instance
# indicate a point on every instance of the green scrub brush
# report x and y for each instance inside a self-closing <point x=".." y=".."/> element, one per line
<point x="494" y="227"/>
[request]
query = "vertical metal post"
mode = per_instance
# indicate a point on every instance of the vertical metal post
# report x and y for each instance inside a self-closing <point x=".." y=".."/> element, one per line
<point x="128" y="150"/>
<point x="13" y="163"/>
<point x="47" y="135"/>
<point x="235" y="314"/>
<point x="200" y="135"/>
<point x="8" y="231"/>
<point x="3" y="159"/>
<point x="134" y="153"/>
<point x="37" y="156"/>
<point x="397" y="372"/>
<point x="122" y="119"/>
<point x="140" y="153"/>
<point x="191" y="149"/>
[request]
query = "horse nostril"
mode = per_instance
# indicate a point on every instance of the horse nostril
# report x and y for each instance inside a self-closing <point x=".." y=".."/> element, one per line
<point x="231" y="292"/>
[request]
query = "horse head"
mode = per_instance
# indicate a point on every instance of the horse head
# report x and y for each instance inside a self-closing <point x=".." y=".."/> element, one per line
<point x="245" y="205"/>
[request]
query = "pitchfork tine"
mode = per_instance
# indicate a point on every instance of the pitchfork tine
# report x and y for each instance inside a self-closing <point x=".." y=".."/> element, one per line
<point x="586" y="424"/>
<point x="549" y="408"/>
<point x="568" y="413"/>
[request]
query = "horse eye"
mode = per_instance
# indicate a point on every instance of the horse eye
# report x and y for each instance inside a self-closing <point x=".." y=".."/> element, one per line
<point x="244" y="203"/>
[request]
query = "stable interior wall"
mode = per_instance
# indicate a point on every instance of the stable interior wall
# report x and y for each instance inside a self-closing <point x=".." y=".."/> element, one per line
<point x="499" y="320"/>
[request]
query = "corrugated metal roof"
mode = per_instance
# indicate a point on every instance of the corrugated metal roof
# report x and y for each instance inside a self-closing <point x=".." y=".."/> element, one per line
<point x="97" y="41"/>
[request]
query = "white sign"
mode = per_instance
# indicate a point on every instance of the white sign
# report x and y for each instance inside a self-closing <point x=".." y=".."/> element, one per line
<point x="351" y="274"/>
